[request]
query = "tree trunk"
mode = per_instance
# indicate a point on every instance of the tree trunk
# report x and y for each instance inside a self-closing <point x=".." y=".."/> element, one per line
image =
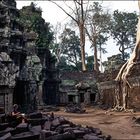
<point x="82" y="44"/>
<point x="124" y="73"/>
<point x="101" y="59"/>
<point x="123" y="53"/>
<point x="96" y="68"/>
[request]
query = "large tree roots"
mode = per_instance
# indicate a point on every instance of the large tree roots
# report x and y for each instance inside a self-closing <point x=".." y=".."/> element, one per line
<point x="123" y="85"/>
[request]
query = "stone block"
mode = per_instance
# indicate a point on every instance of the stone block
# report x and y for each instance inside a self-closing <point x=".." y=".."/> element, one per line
<point x="47" y="125"/>
<point x="35" y="115"/>
<point x="65" y="136"/>
<point x="6" y="137"/>
<point x="56" y="122"/>
<point x="36" y="129"/>
<point x="91" y="137"/>
<point x="22" y="127"/>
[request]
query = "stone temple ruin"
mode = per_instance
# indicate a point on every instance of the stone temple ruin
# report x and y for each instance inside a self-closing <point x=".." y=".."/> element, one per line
<point x="28" y="73"/>
<point x="78" y="87"/>
<point x="107" y="87"/>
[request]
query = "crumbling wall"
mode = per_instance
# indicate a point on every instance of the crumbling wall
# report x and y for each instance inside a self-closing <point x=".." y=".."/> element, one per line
<point x="80" y="85"/>
<point x="107" y="94"/>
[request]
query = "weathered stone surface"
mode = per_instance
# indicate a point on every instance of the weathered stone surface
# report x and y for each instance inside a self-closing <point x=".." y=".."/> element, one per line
<point x="56" y="122"/>
<point x="7" y="130"/>
<point x="65" y="136"/>
<point x="22" y="127"/>
<point x="37" y="121"/>
<point x="91" y="137"/>
<point x="9" y="71"/>
<point x="79" y="133"/>
<point x="25" y="136"/>
<point x="74" y="109"/>
<point x="45" y="134"/>
<point x="3" y="126"/>
<point x="35" y="115"/>
<point x="36" y="129"/>
<point x="47" y="125"/>
<point x="6" y="136"/>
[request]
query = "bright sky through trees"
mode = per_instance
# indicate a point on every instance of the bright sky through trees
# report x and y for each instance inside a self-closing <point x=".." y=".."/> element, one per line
<point x="53" y="14"/>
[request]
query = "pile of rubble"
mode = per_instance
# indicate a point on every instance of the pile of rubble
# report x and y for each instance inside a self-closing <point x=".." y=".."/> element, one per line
<point x="49" y="108"/>
<point x="48" y="127"/>
<point x="74" y="108"/>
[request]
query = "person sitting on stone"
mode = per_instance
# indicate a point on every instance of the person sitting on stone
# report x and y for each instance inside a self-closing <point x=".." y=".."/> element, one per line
<point x="15" y="111"/>
<point x="18" y="115"/>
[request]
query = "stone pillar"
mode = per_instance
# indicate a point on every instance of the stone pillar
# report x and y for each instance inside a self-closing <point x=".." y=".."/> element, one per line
<point x="8" y="101"/>
<point x="40" y="94"/>
<point x="77" y="99"/>
<point x="87" y="97"/>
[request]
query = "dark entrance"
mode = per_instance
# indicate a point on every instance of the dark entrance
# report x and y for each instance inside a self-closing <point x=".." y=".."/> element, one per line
<point x="81" y="97"/>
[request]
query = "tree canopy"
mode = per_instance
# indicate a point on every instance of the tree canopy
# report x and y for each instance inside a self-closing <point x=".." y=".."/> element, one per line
<point x="123" y="30"/>
<point x="68" y="49"/>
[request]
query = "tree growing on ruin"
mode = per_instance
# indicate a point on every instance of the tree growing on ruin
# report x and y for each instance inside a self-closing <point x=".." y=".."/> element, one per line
<point x="122" y="79"/>
<point x="78" y="15"/>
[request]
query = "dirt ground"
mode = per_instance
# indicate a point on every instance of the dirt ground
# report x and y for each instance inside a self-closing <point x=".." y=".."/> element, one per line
<point x="120" y="125"/>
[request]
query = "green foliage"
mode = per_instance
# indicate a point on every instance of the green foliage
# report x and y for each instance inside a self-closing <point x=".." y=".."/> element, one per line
<point x="114" y="62"/>
<point x="123" y="30"/>
<point x="68" y="50"/>
<point x="90" y="62"/>
<point x="31" y="18"/>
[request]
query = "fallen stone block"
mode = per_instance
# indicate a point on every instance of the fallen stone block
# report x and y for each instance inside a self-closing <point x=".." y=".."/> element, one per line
<point x="6" y="137"/>
<point x="59" y="129"/>
<point x="91" y="137"/>
<point x="74" y="108"/>
<point x="55" y="122"/>
<point x="98" y="131"/>
<point x="22" y="127"/>
<point x="25" y="136"/>
<point x="65" y="125"/>
<point x="68" y="129"/>
<point x="65" y="136"/>
<point x="36" y="121"/>
<point x="35" y="115"/>
<point x="3" y="126"/>
<point x="79" y="133"/>
<point x="7" y="130"/>
<point x="36" y="129"/>
<point x="47" y="125"/>
<point x="45" y="134"/>
<point x="62" y="120"/>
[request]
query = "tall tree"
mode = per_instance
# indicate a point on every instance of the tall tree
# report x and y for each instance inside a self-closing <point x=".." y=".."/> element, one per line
<point x="79" y="13"/>
<point x="70" y="46"/>
<point x="123" y="30"/>
<point x="97" y="27"/>
<point x="31" y="18"/>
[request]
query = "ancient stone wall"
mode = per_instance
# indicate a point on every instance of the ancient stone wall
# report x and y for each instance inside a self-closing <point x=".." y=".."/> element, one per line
<point x="107" y="93"/>
<point x="77" y="87"/>
<point x="79" y="76"/>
